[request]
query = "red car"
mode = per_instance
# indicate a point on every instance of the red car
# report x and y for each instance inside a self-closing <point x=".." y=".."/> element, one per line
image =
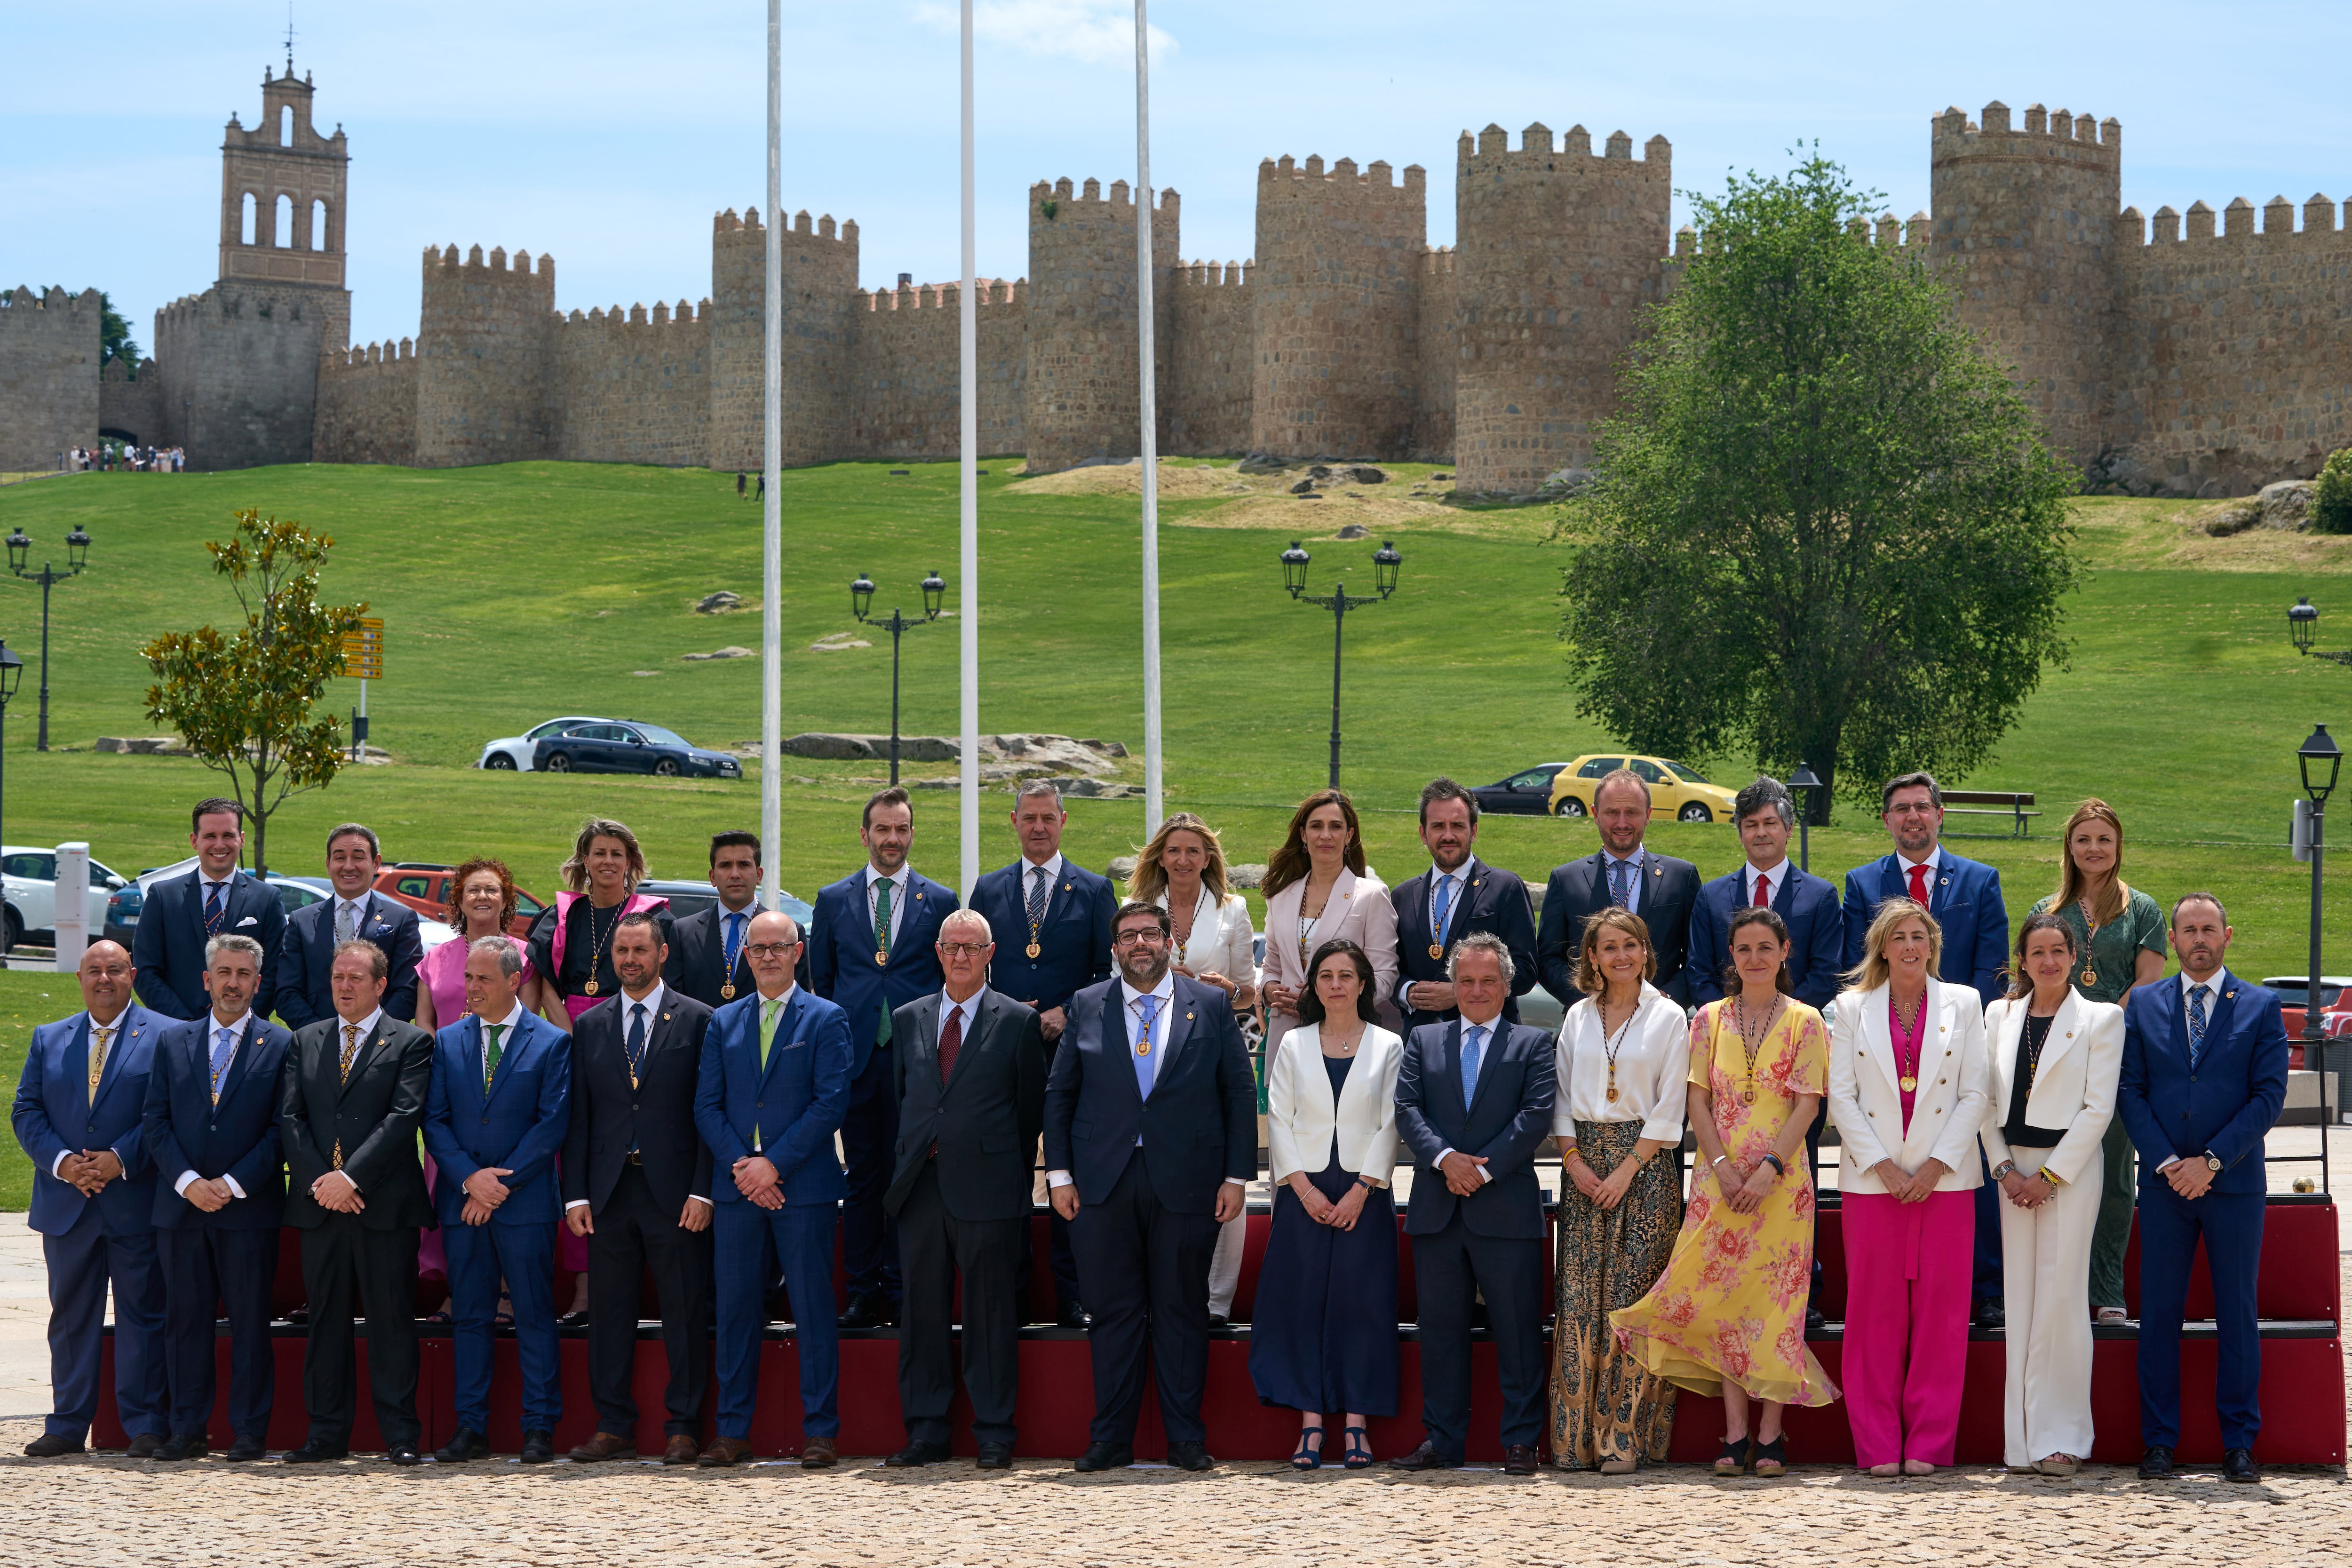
<point x="2295" y="994"/>
<point x="424" y="887"/>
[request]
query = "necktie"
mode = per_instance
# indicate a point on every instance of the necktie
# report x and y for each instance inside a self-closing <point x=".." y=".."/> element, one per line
<point x="491" y="1034"/>
<point x="1617" y="869"/>
<point x="1763" y="891"/>
<point x="882" y="950"/>
<point x="1474" y="1040"/>
<point x="223" y="1048"/>
<point x="351" y="1049"/>
<point x="347" y="921"/>
<point x="1146" y="1064"/>
<point x="1445" y="904"/>
<point x="951" y="1042"/>
<point x="1038" y="886"/>
<point x="2196" y="994"/>
<point x="768" y="1009"/>
<point x="734" y="943"/>
<point x="1919" y="885"/>
<point x="100" y="1037"/>
<point x="636" y="1042"/>
<point x="212" y="909"/>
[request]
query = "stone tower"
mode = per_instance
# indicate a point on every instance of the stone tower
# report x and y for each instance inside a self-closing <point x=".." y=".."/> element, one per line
<point x="2030" y="217"/>
<point x="1555" y="253"/>
<point x="1335" y="366"/>
<point x="484" y="359"/>
<point x="820" y="275"/>
<point x="1084" y="397"/>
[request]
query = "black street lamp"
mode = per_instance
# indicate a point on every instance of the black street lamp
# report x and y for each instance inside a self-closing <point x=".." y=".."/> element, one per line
<point x="2319" y="758"/>
<point x="1807" y="781"/>
<point x="12" y="671"/>
<point x="861" y="600"/>
<point x="1385" y="563"/>
<point x="20" y="550"/>
<point x="2303" y="626"/>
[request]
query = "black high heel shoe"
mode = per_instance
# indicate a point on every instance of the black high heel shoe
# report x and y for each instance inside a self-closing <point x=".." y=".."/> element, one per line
<point x="1359" y="1454"/>
<point x="1307" y="1458"/>
<point x="1735" y="1455"/>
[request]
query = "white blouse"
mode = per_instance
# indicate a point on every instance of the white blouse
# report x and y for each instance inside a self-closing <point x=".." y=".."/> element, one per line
<point x="1653" y="1068"/>
<point x="1222" y="942"/>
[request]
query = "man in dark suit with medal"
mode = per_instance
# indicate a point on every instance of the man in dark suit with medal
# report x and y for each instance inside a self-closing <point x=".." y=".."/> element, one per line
<point x="1624" y="875"/>
<point x="708" y="962"/>
<point x="182" y="913"/>
<point x="637" y="1184"/>
<point x="356" y="913"/>
<point x="1459" y="894"/>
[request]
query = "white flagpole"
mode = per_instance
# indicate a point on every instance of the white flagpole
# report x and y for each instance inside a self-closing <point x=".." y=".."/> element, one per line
<point x="771" y="573"/>
<point x="1149" y="460"/>
<point x="969" y="631"/>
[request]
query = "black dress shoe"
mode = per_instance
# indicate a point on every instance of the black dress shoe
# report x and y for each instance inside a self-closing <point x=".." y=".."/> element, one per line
<point x="916" y="1455"/>
<point x="52" y="1445"/>
<point x="1191" y="1456"/>
<point x="402" y="1454"/>
<point x="994" y="1457"/>
<point x="2155" y="1464"/>
<point x="465" y="1444"/>
<point x="143" y="1446"/>
<point x="578" y="1320"/>
<point x="2238" y="1465"/>
<point x="537" y="1445"/>
<point x="1519" y="1459"/>
<point x="247" y="1448"/>
<point x="1219" y="1321"/>
<point x="184" y="1446"/>
<point x="316" y="1451"/>
<point x="1104" y="1456"/>
<point x="1816" y="1321"/>
<point x="1425" y="1457"/>
<point x="1073" y="1316"/>
<point x="1989" y="1313"/>
<point x="299" y="1315"/>
<point x="866" y="1313"/>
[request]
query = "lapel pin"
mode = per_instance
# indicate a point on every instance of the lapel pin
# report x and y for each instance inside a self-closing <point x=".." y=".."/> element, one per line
<point x="1188" y="1017"/>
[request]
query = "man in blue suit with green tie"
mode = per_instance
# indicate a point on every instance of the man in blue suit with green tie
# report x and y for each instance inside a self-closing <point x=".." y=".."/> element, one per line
<point x="773" y="1086"/>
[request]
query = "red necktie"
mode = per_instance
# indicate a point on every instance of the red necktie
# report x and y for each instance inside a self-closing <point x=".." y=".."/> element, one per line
<point x="1763" y="891"/>
<point x="1919" y="885"/>
<point x="951" y="1042"/>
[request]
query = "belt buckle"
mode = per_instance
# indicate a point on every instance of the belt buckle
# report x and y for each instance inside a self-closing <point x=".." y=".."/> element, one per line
<point x="634" y="1157"/>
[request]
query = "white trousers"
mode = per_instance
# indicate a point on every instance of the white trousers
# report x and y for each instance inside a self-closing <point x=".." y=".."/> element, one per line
<point x="2046" y="1277"/>
<point x="1225" y="1267"/>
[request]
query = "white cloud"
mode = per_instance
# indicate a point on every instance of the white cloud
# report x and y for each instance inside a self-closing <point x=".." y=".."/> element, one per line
<point x="1100" y="32"/>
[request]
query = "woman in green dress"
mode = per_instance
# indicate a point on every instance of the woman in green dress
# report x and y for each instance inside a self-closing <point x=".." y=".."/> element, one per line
<point x="2118" y="943"/>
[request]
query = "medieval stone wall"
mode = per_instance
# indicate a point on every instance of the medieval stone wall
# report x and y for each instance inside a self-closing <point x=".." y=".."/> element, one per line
<point x="632" y="386"/>
<point x="49" y="375"/>
<point x="906" y="354"/>
<point x="1209" y="347"/>
<point x="131" y="402"/>
<point x="820" y="276"/>
<point x="367" y="404"/>
<point x="485" y="359"/>
<point x="240" y="372"/>
<point x="1085" y="380"/>
<point x="1438" y="338"/>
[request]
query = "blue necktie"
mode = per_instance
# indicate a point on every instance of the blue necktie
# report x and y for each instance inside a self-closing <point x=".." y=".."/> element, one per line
<point x="1444" y="902"/>
<point x="223" y="1046"/>
<point x="1147" y="1062"/>
<point x="1473" y="1038"/>
<point x="636" y="1051"/>
<point x="2195" y="1024"/>
<point x="1617" y="870"/>
<point x="734" y="943"/>
<point x="212" y="909"/>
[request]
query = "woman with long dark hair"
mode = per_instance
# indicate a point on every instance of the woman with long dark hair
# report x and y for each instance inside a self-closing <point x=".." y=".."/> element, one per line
<point x="1318" y="889"/>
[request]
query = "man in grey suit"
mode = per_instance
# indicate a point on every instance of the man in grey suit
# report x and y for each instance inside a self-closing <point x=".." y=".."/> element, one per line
<point x="970" y="1081"/>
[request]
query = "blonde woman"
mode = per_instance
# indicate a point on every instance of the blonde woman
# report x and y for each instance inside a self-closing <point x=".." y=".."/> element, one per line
<point x="571" y="942"/>
<point x="1909" y="1087"/>
<point x="1622" y="1067"/>
<point x="2056" y="1056"/>
<point x="2118" y="945"/>
<point x="1318" y="889"/>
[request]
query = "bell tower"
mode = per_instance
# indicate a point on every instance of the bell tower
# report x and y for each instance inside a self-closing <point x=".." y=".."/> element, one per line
<point x="282" y="194"/>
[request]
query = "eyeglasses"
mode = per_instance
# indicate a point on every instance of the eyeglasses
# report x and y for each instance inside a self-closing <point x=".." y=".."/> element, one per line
<point x="1911" y="808"/>
<point x="1136" y="938"/>
<point x="769" y="949"/>
<point x="964" y="949"/>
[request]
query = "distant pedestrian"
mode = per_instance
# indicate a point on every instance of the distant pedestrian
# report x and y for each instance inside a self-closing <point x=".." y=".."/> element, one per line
<point x="761" y="493"/>
<point x="738" y="484"/>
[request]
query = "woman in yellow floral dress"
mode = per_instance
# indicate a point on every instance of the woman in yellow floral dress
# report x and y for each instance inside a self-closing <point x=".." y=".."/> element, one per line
<point x="1729" y="1314"/>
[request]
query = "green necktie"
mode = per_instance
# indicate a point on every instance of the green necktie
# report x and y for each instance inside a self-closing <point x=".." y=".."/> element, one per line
<point x="882" y="950"/>
<point x="768" y="1010"/>
<point x="490" y="1033"/>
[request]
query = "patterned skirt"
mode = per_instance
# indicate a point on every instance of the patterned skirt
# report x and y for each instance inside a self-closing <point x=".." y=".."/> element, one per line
<point x="1605" y="1404"/>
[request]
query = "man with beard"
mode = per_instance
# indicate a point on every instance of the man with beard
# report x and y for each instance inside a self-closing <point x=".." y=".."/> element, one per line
<point x="1624" y="875"/>
<point x="1457" y="895"/>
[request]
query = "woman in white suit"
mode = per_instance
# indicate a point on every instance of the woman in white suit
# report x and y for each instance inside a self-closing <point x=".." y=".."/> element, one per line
<point x="2055" y="1059"/>
<point x="1317" y="891"/>
<point x="1909" y="1089"/>
<point x="1324" y="1334"/>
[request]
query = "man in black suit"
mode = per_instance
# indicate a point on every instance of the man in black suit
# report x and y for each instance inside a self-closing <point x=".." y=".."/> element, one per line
<point x="971" y="1079"/>
<point x="180" y="914"/>
<point x="1474" y="1103"/>
<point x="1150" y="1142"/>
<point x="351" y="1098"/>
<point x="1658" y="888"/>
<point x="1457" y="895"/>
<point x="637" y="1184"/>
<point x="356" y="913"/>
<point x="708" y="949"/>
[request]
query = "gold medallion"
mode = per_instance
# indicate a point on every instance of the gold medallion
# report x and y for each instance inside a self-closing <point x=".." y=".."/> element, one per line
<point x="1612" y="1091"/>
<point x="880" y="956"/>
<point x="1747" y="1095"/>
<point x="590" y="988"/>
<point x="1033" y="950"/>
<point x="2090" y="977"/>
<point x="727" y="991"/>
<point x="1144" y="1049"/>
<point x="1908" y="1083"/>
<point x="1436" y="950"/>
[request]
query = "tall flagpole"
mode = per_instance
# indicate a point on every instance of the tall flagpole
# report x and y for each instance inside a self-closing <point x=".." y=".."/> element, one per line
<point x="968" y="331"/>
<point x="1150" y="454"/>
<point x="771" y="550"/>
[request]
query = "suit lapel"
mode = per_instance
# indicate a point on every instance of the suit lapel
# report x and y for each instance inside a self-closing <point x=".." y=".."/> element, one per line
<point x="2217" y="1017"/>
<point x="2064" y="1024"/>
<point x="1878" y="1034"/>
<point x="784" y="1027"/>
<point x="1177" y="1033"/>
<point x="1487" y="1062"/>
<point x="1450" y="1055"/>
<point x="245" y="1049"/>
<point x="984" y="1012"/>
<point x="360" y="1060"/>
<point x="1116" y="1042"/>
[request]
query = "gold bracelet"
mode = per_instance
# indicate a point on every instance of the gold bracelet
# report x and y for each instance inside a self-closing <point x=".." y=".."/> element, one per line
<point x="2051" y="1176"/>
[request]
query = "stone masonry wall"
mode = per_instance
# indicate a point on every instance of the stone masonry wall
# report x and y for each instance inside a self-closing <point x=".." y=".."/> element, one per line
<point x="907" y="371"/>
<point x="1085" y="390"/>
<point x="1438" y="338"/>
<point x="633" y="386"/>
<point x="820" y="275"/>
<point x="1210" y="351"/>
<point x="240" y="367"/>
<point x="49" y="375"/>
<point x="132" y="401"/>
<point x="484" y="359"/>
<point x="367" y="404"/>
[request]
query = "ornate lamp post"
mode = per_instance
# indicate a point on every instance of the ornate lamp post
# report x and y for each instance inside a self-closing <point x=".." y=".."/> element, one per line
<point x="12" y="672"/>
<point x="20" y="550"/>
<point x="2319" y="758"/>
<point x="1804" y="779"/>
<point x="861" y="601"/>
<point x="1385" y="563"/>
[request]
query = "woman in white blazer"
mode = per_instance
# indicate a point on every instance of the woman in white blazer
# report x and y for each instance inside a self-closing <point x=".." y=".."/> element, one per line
<point x="2055" y="1058"/>
<point x="1323" y="1335"/>
<point x="1317" y="890"/>
<point x="1909" y="1091"/>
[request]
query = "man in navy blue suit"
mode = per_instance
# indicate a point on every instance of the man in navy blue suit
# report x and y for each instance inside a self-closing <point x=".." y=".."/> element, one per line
<point x="495" y="1118"/>
<point x="180" y="914"/>
<point x="1474" y="1103"/>
<point x="1150" y="1142"/>
<point x="1051" y="918"/>
<point x="1965" y="897"/>
<point x="1457" y="895"/>
<point x="872" y="942"/>
<point x="220" y="1191"/>
<point x="78" y="1117"/>
<point x="1765" y="814"/>
<point x="769" y="1094"/>
<point x="2204" y="1078"/>
<point x="356" y="913"/>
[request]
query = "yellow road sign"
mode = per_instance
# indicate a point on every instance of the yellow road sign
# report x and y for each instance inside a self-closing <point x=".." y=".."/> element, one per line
<point x="364" y="651"/>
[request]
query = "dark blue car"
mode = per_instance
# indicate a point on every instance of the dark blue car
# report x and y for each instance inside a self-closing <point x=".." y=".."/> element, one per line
<point x="614" y="747"/>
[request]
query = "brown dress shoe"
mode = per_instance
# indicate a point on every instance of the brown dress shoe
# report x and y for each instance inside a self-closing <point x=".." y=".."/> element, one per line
<point x="725" y="1452"/>
<point x="818" y="1454"/>
<point x="1519" y="1459"/>
<point x="682" y="1450"/>
<point x="603" y="1446"/>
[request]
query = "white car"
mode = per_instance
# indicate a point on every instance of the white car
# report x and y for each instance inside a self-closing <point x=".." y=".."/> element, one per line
<point x="512" y="753"/>
<point x="30" y="876"/>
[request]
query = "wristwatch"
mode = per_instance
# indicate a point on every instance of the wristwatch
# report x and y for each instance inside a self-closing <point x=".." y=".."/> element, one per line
<point x="2214" y="1162"/>
<point x="2006" y="1168"/>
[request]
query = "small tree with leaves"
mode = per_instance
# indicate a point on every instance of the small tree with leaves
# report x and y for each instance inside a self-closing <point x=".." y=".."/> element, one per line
<point x="242" y="701"/>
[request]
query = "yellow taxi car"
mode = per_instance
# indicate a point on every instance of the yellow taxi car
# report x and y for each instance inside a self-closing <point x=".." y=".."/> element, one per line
<point x="1678" y="791"/>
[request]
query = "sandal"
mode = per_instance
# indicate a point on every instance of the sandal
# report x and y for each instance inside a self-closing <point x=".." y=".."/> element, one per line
<point x="1308" y="1459"/>
<point x="1775" y="1454"/>
<point x="2110" y="1317"/>
<point x="442" y="1317"/>
<point x="2057" y="1464"/>
<point x="1734" y="1460"/>
<point x="1618" y="1466"/>
<point x="1359" y="1455"/>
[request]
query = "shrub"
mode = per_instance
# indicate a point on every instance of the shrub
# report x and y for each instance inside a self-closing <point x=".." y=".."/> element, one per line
<point x="2331" y="502"/>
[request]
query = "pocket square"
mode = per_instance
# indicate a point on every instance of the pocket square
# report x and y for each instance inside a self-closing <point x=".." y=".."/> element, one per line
<point x="246" y="922"/>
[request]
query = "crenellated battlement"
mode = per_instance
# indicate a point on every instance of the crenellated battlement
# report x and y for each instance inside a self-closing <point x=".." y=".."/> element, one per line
<point x="726" y="226"/>
<point x="1287" y="177"/>
<point x="637" y="316"/>
<point x="1213" y="274"/>
<point x="2044" y="135"/>
<point x="49" y="299"/>
<point x="994" y="293"/>
<point x="443" y="264"/>
<point x="1491" y="152"/>
<point x="377" y="355"/>
<point x="2279" y="227"/>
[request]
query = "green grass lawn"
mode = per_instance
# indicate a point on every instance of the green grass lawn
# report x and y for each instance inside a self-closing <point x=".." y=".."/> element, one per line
<point x="512" y="593"/>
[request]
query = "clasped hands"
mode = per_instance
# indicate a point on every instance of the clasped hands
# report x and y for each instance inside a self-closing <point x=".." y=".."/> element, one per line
<point x="484" y="1193"/>
<point x="337" y="1193"/>
<point x="89" y="1171"/>
<point x="2191" y="1176"/>
<point x="1915" y="1187"/>
<point x="1232" y="1198"/>
<point x="2026" y="1192"/>
<point x="1341" y="1215"/>
<point x="694" y="1215"/>
<point x="1604" y="1191"/>
<point x="1743" y="1190"/>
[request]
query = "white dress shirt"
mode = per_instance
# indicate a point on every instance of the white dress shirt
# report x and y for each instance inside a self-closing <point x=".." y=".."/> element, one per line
<point x="1129" y="998"/>
<point x="1774" y="879"/>
<point x="1609" y="861"/>
<point x="1460" y="880"/>
<point x="1903" y="863"/>
<point x="1488" y="1030"/>
<point x="963" y="1010"/>
<point x="359" y="908"/>
<point x="1653" y="1068"/>
<point x="2214" y="983"/>
<point x="897" y="881"/>
<point x="213" y="1027"/>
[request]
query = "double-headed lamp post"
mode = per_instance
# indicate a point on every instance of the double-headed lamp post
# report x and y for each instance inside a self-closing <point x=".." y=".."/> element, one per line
<point x="861" y="601"/>
<point x="1385" y="563"/>
<point x="12" y="672"/>
<point x="1804" y="779"/>
<point x="2319" y="758"/>
<point x="20" y="550"/>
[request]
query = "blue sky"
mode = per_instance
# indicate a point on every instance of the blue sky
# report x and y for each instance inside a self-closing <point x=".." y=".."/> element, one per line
<point x="608" y="134"/>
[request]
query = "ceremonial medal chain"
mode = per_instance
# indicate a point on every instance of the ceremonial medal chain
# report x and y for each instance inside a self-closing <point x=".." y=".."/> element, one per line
<point x="1752" y="1043"/>
<point x="596" y="943"/>
<point x="1610" y="1048"/>
<point x="1908" y="1081"/>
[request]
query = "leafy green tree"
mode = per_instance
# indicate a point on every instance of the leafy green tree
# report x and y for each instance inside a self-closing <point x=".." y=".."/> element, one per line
<point x="2331" y="501"/>
<point x="243" y="702"/>
<point x="1826" y="528"/>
